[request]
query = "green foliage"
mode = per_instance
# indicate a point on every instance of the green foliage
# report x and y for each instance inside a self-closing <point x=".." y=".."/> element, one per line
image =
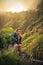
<point x="2" y="41"/>
<point x="34" y="45"/>
<point x="26" y="35"/>
<point x="32" y="42"/>
<point x="6" y="35"/>
<point x="8" y="30"/>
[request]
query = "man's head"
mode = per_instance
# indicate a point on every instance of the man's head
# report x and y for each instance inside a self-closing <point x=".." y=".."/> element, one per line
<point x="19" y="31"/>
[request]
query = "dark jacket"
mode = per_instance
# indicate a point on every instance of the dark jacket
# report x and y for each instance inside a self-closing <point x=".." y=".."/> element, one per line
<point x="17" y="38"/>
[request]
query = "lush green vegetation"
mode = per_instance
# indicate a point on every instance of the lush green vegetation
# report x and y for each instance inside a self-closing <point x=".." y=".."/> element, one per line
<point x="33" y="44"/>
<point x="32" y="40"/>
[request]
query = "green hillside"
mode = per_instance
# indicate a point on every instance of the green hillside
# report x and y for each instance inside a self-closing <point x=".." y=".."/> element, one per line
<point x="33" y="44"/>
<point x="31" y="22"/>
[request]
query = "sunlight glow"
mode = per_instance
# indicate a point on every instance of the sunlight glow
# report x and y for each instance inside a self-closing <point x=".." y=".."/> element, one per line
<point x="18" y="9"/>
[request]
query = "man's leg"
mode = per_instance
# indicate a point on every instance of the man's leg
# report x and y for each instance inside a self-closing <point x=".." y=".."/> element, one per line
<point x="19" y="49"/>
<point x="15" y="48"/>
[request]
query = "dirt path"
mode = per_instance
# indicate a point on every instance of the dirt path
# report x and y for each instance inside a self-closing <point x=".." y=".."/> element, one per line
<point x="36" y="60"/>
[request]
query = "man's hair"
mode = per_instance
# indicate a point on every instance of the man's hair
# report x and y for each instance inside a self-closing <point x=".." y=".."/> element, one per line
<point x="18" y="29"/>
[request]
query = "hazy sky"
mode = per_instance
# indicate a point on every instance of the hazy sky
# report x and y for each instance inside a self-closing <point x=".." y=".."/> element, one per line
<point x="18" y="5"/>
